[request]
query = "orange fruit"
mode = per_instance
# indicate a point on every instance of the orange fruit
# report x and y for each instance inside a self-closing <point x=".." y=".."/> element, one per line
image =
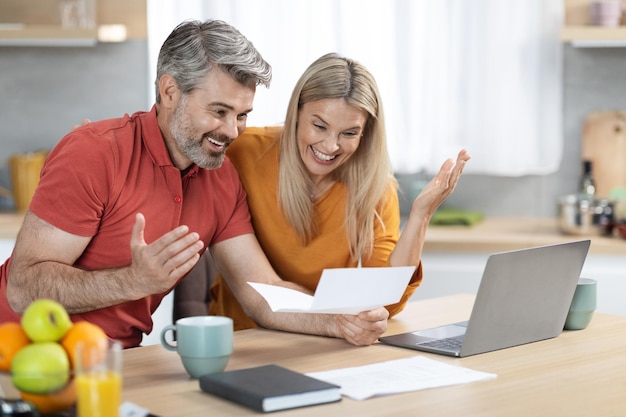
<point x="12" y="339"/>
<point x="92" y="340"/>
<point x="53" y="402"/>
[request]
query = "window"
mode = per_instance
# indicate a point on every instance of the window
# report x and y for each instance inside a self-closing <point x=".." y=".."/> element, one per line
<point x="482" y="74"/>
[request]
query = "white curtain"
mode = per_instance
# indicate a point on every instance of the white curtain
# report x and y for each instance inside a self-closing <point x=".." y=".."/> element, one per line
<point x="480" y="74"/>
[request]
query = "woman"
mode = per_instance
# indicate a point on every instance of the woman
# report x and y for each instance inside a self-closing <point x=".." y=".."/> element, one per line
<point x="321" y="190"/>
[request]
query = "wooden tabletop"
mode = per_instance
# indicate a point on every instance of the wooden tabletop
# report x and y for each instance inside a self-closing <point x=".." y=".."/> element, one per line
<point x="579" y="373"/>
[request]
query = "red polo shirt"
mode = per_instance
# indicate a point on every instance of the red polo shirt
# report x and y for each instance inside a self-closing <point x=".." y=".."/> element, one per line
<point x="95" y="181"/>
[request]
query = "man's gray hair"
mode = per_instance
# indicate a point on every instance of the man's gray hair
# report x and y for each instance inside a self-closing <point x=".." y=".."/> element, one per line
<point x="194" y="47"/>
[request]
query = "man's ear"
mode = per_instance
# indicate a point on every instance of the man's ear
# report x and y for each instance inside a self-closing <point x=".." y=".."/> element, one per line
<point x="170" y="94"/>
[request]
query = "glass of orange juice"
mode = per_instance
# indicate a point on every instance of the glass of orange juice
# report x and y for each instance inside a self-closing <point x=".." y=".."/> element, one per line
<point x="98" y="379"/>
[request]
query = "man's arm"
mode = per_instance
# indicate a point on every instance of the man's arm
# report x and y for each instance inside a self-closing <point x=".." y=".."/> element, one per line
<point x="43" y="259"/>
<point x="241" y="259"/>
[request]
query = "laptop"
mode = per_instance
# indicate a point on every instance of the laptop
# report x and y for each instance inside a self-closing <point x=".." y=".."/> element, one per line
<point x="524" y="296"/>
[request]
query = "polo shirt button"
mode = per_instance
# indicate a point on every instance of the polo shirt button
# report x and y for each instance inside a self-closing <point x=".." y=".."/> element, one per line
<point x="177" y="199"/>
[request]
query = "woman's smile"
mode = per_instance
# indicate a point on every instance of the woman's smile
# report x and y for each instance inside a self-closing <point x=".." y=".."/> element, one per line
<point x="321" y="156"/>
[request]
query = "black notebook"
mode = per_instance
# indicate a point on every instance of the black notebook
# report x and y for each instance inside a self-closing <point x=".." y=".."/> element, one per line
<point x="269" y="388"/>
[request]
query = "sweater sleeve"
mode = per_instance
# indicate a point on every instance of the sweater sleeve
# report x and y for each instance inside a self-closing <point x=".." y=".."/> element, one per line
<point x="386" y="235"/>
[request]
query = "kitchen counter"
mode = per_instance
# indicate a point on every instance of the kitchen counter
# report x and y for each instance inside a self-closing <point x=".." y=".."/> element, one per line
<point x="10" y="224"/>
<point x="493" y="234"/>
<point x="501" y="234"/>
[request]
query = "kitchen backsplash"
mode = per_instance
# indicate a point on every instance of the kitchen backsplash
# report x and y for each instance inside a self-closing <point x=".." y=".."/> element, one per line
<point x="45" y="91"/>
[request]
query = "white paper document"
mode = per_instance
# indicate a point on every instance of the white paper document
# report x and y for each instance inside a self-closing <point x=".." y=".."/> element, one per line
<point x="342" y="291"/>
<point x="402" y="375"/>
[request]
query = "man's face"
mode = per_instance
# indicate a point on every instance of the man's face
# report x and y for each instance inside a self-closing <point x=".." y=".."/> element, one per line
<point x="208" y="119"/>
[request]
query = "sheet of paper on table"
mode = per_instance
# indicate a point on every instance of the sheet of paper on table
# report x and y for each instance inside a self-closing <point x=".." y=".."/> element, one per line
<point x="402" y="375"/>
<point x="342" y="291"/>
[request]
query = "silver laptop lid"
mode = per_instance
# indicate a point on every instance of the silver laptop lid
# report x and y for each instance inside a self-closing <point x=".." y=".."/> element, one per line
<point x="524" y="296"/>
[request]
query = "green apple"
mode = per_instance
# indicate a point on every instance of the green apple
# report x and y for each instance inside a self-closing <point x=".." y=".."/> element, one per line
<point x="40" y="368"/>
<point x="45" y="321"/>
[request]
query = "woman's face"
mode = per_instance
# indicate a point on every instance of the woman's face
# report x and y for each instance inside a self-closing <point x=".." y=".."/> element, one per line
<point x="328" y="133"/>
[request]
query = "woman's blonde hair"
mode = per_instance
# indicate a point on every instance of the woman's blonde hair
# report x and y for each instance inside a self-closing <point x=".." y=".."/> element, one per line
<point x="367" y="174"/>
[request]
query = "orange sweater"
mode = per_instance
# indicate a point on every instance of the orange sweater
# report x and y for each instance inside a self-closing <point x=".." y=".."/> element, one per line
<point x="255" y="155"/>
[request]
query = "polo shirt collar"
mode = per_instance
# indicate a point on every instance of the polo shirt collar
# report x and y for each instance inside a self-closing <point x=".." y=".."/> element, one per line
<point x="155" y="143"/>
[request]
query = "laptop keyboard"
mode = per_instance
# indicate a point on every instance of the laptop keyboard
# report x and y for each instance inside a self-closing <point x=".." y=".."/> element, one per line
<point x="450" y="343"/>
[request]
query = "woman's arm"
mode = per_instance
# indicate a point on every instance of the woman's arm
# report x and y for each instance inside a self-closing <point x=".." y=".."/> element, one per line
<point x="408" y="251"/>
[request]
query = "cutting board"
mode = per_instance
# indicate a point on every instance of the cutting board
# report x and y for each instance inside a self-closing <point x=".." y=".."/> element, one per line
<point x="604" y="144"/>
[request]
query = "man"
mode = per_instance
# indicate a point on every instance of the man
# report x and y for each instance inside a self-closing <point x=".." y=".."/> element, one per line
<point x="158" y="180"/>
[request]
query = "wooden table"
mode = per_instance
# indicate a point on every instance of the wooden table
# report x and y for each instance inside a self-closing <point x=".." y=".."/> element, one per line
<point x="579" y="373"/>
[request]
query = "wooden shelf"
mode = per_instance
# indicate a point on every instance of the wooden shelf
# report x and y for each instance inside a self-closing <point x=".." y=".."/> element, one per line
<point x="46" y="35"/>
<point x="594" y="36"/>
<point x="579" y="31"/>
<point x="36" y="23"/>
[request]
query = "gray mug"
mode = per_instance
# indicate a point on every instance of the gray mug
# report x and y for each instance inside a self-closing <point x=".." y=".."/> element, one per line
<point x="204" y="343"/>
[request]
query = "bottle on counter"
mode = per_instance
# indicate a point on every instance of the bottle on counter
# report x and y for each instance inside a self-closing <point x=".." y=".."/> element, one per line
<point x="587" y="187"/>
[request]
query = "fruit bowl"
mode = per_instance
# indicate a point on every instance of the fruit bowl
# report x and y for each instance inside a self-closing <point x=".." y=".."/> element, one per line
<point x="54" y="403"/>
<point x="38" y="355"/>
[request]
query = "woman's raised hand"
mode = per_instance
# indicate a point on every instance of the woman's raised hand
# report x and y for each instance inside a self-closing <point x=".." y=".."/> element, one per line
<point x="440" y="187"/>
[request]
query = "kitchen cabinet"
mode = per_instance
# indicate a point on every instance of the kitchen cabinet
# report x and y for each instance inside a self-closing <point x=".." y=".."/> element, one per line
<point x="455" y="256"/>
<point x="447" y="273"/>
<point x="578" y="30"/>
<point x="38" y="23"/>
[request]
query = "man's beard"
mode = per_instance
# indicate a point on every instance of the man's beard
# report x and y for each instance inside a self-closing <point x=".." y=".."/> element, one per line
<point x="182" y="132"/>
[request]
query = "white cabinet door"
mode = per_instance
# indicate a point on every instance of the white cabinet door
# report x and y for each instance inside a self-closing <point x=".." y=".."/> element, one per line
<point x="453" y="273"/>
